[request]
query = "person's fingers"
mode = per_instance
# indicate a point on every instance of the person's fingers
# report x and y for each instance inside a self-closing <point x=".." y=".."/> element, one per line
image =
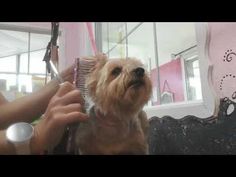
<point x="73" y="97"/>
<point x="64" y="88"/>
<point x="69" y="70"/>
<point x="68" y="73"/>
<point x="74" y="117"/>
<point x="75" y="107"/>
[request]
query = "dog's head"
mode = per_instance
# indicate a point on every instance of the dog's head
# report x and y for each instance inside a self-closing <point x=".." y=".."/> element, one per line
<point x="120" y="86"/>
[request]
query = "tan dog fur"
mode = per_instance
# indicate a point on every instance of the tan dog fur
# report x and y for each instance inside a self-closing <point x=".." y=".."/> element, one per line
<point x="117" y="123"/>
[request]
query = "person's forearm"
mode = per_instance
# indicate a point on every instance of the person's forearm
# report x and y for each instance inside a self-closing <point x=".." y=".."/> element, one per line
<point x="3" y="100"/>
<point x="27" y="108"/>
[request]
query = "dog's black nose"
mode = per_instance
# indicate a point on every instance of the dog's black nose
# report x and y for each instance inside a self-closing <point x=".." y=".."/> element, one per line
<point x="139" y="72"/>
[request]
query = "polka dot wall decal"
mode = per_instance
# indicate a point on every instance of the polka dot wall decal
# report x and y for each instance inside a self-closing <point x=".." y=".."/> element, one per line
<point x="229" y="55"/>
<point x="224" y="77"/>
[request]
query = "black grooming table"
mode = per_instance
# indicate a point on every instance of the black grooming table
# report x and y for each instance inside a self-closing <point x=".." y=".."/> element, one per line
<point x="188" y="136"/>
<point x="191" y="135"/>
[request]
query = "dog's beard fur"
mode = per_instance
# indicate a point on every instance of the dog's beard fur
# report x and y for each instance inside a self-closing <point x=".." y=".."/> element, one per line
<point x="119" y="96"/>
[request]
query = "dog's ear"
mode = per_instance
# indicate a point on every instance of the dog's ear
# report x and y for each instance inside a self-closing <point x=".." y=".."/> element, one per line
<point x="101" y="60"/>
<point x="92" y="80"/>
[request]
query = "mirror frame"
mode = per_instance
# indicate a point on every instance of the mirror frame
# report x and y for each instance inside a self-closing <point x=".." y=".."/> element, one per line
<point x="209" y="104"/>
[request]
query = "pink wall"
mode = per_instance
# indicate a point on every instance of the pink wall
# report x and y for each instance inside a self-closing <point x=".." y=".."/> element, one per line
<point x="76" y="42"/>
<point x="222" y="53"/>
<point x="73" y="41"/>
<point x="172" y="73"/>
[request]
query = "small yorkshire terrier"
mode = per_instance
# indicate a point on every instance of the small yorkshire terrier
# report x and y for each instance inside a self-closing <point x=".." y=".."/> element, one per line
<point x="119" y="89"/>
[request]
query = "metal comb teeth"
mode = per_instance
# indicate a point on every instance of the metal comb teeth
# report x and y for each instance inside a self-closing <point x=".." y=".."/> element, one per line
<point x="82" y="69"/>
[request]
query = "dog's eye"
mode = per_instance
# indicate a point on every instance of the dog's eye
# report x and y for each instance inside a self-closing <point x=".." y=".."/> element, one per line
<point x="116" y="71"/>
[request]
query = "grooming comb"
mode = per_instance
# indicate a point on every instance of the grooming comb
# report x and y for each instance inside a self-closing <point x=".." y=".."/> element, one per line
<point x="82" y="68"/>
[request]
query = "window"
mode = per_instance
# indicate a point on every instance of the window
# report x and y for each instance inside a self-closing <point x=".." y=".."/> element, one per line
<point x="8" y="64"/>
<point x="114" y="40"/>
<point x="193" y="80"/>
<point x="24" y="62"/>
<point x="131" y="26"/>
<point x="22" y="69"/>
<point x="141" y="45"/>
<point x="37" y="66"/>
<point x="171" y="53"/>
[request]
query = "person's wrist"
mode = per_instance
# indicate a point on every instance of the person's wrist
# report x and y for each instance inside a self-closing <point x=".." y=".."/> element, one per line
<point x="66" y="78"/>
<point x="36" y="143"/>
<point x="55" y="84"/>
<point x="67" y="75"/>
<point x="63" y="76"/>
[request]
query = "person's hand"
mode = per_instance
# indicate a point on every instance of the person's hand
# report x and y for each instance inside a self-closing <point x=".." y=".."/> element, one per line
<point x="68" y="74"/>
<point x="63" y="109"/>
